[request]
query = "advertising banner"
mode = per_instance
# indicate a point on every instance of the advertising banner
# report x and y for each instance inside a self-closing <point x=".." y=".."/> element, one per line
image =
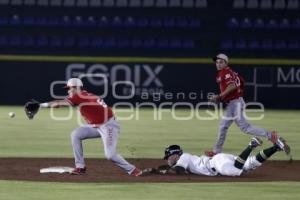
<point x="274" y="86"/>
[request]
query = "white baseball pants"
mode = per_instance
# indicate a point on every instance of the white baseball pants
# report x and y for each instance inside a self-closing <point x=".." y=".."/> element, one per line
<point x="224" y="164"/>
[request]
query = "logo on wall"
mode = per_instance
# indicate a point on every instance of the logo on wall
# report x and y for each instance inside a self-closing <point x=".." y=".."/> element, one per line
<point x="123" y="79"/>
<point x="288" y="77"/>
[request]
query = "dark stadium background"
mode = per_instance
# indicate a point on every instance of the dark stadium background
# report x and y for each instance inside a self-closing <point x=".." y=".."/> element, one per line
<point x="41" y="40"/>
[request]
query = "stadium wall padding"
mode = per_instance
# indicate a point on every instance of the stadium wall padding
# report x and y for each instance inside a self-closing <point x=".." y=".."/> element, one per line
<point x="276" y="86"/>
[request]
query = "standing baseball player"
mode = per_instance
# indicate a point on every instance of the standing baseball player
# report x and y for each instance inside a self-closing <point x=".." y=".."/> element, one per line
<point x="101" y="123"/>
<point x="231" y="94"/>
<point x="220" y="164"/>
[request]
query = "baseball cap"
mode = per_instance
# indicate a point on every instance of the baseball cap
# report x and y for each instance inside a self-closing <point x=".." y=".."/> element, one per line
<point x="74" y="82"/>
<point x="221" y="56"/>
<point x="171" y="150"/>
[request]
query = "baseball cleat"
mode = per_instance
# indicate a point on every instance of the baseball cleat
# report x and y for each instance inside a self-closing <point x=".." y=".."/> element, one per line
<point x="78" y="171"/>
<point x="283" y="146"/>
<point x="136" y="172"/>
<point x="274" y="137"/>
<point x="255" y="142"/>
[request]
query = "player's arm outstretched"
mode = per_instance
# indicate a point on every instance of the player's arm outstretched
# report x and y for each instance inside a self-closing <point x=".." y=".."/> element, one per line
<point x="55" y="104"/>
<point x="32" y="107"/>
<point x="165" y="169"/>
<point x="180" y="170"/>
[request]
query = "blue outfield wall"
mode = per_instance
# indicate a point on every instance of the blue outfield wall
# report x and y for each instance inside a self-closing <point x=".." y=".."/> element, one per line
<point x="276" y="86"/>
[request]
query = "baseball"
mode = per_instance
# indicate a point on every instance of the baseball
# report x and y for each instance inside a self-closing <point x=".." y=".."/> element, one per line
<point x="11" y="114"/>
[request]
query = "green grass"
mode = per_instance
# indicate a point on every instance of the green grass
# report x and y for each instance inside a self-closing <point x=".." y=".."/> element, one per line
<point x="197" y="191"/>
<point x="143" y="138"/>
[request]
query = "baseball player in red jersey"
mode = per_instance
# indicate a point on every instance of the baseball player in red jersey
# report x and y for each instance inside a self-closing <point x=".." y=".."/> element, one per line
<point x="231" y="93"/>
<point x="101" y="123"/>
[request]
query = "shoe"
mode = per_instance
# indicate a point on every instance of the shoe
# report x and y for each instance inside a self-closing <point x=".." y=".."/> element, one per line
<point x="283" y="146"/>
<point x="136" y="172"/>
<point x="210" y="153"/>
<point x="255" y="142"/>
<point x="78" y="171"/>
<point x="274" y="137"/>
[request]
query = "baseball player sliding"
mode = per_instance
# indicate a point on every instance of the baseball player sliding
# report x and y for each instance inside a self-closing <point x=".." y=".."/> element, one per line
<point x="232" y="89"/>
<point x="101" y="123"/>
<point x="220" y="164"/>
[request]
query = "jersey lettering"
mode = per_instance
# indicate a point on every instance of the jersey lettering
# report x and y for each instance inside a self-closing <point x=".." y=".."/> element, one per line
<point x="102" y="103"/>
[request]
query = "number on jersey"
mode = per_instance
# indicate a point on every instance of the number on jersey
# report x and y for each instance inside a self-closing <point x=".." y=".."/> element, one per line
<point x="102" y="103"/>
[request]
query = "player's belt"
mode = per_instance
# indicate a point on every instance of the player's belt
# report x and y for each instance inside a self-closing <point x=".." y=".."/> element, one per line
<point x="210" y="168"/>
<point x="215" y="171"/>
<point x="228" y="101"/>
<point x="97" y="125"/>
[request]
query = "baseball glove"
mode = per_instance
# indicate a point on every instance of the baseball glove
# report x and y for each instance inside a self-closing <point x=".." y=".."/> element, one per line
<point x="31" y="108"/>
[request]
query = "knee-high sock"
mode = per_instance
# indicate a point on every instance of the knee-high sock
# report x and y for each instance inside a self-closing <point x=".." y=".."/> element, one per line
<point x="241" y="159"/>
<point x="263" y="155"/>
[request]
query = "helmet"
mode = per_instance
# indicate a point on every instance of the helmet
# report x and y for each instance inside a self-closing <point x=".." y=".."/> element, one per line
<point x="171" y="150"/>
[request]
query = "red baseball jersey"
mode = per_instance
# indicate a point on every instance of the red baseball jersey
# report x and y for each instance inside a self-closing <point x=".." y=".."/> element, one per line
<point x="92" y="108"/>
<point x="227" y="76"/>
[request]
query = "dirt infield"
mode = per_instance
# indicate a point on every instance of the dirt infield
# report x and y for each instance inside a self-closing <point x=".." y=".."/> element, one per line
<point x="104" y="171"/>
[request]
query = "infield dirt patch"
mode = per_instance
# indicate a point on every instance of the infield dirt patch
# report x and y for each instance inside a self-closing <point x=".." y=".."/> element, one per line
<point x="99" y="170"/>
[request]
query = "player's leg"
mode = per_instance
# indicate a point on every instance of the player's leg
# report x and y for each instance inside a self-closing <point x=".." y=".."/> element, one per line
<point x="251" y="164"/>
<point x="223" y="164"/>
<point x="244" y="125"/>
<point x="247" y="128"/>
<point x="109" y="133"/>
<point x="241" y="159"/>
<point x="79" y="134"/>
<point x="255" y="161"/>
<point x="263" y="155"/>
<point x="225" y="123"/>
